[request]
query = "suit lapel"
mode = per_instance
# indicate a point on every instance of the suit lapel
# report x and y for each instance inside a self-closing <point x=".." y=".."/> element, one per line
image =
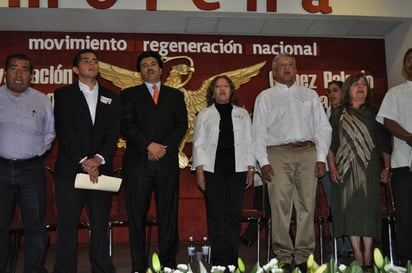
<point x="99" y="109"/>
<point x="83" y="107"/>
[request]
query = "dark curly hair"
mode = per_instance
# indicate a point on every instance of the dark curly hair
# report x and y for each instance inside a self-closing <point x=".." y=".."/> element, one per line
<point x="210" y="90"/>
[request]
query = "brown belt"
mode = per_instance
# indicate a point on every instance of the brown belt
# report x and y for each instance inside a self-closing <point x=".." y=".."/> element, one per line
<point x="298" y="144"/>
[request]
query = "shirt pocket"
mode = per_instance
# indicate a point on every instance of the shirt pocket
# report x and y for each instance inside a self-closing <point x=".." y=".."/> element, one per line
<point x="32" y="122"/>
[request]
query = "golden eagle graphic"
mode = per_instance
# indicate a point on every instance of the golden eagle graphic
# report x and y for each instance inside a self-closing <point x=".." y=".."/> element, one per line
<point x="195" y="99"/>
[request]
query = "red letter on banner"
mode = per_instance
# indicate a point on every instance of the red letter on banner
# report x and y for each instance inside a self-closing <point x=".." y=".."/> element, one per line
<point x="270" y="5"/>
<point x="34" y="3"/>
<point x="322" y="7"/>
<point x="101" y="4"/>
<point x="14" y="3"/>
<point x="151" y="4"/>
<point x="205" y="5"/>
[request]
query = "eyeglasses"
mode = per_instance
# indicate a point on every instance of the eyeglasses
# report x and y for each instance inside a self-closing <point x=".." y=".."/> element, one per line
<point x="89" y="61"/>
<point x="332" y="90"/>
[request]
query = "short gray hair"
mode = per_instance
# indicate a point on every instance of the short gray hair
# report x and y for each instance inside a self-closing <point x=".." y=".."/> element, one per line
<point x="281" y="55"/>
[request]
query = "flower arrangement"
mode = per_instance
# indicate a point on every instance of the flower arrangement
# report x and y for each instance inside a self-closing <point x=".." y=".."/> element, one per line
<point x="382" y="265"/>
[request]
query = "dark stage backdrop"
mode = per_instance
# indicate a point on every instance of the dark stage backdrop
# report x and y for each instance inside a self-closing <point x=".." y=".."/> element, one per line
<point x="197" y="58"/>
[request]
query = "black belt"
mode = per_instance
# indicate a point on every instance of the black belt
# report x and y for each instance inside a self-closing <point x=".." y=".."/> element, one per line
<point x="18" y="162"/>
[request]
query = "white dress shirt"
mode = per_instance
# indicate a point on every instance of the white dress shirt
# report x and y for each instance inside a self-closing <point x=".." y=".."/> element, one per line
<point x="396" y="105"/>
<point x="91" y="96"/>
<point x="287" y="115"/>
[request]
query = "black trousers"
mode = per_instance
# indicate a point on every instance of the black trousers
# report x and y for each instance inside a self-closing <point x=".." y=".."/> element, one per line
<point x="69" y="203"/>
<point x="139" y="187"/>
<point x="224" y="196"/>
<point x="402" y="191"/>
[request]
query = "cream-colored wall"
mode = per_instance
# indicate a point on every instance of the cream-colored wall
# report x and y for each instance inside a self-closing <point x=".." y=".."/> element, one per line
<point x="396" y="44"/>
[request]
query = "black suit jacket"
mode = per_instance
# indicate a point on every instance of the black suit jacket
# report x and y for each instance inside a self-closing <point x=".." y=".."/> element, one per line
<point x="144" y="122"/>
<point x="78" y="136"/>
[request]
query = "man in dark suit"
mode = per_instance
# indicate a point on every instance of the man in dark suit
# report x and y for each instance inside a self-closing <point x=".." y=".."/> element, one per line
<point x="154" y="120"/>
<point x="87" y="125"/>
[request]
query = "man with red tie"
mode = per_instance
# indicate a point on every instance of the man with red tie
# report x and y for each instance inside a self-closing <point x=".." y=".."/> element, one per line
<point x="154" y="120"/>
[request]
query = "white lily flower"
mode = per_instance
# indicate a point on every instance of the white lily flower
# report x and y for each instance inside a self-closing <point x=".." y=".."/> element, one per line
<point x="394" y="269"/>
<point x="182" y="267"/>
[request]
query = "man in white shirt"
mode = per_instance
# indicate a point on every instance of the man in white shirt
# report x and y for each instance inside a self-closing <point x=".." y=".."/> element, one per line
<point x="396" y="115"/>
<point x="87" y="126"/>
<point x="292" y="136"/>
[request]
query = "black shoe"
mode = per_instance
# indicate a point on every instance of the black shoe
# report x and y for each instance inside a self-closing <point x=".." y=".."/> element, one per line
<point x="287" y="268"/>
<point x="246" y="242"/>
<point x="303" y="267"/>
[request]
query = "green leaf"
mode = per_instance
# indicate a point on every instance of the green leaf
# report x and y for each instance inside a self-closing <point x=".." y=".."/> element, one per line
<point x="202" y="268"/>
<point x="354" y="267"/>
<point x="377" y="255"/>
<point x="331" y="267"/>
<point x="240" y="265"/>
<point x="255" y="268"/>
<point x="321" y="268"/>
<point x="156" y="262"/>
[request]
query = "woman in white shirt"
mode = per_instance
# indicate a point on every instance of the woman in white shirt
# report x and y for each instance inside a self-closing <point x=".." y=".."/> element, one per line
<point x="224" y="163"/>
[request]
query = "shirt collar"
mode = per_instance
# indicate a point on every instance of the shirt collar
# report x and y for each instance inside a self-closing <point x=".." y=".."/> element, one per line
<point x="150" y="85"/>
<point x="284" y="87"/>
<point x="10" y="93"/>
<point x="85" y="88"/>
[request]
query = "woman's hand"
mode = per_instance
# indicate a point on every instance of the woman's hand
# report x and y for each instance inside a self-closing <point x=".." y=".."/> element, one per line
<point x="249" y="178"/>
<point x="334" y="174"/>
<point x="385" y="172"/>
<point x="200" y="178"/>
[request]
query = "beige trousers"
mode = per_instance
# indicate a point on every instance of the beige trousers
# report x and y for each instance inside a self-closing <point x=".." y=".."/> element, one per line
<point x="294" y="185"/>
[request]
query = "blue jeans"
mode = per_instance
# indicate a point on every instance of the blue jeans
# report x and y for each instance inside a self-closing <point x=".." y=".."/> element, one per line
<point x="27" y="181"/>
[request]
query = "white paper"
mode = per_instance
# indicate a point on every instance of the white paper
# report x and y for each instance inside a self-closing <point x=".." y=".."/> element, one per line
<point x="104" y="183"/>
<point x="410" y="160"/>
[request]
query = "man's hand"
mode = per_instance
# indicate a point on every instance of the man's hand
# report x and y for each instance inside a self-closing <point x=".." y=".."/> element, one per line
<point x="91" y="166"/>
<point x="155" y="151"/>
<point x="267" y="172"/>
<point x="409" y="140"/>
<point x="320" y="169"/>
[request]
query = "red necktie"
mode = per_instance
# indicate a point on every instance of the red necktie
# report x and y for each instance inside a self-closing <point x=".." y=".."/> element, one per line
<point x="155" y="93"/>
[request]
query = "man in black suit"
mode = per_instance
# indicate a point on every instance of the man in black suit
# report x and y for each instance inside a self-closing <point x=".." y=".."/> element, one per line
<point x="87" y="125"/>
<point x="154" y="120"/>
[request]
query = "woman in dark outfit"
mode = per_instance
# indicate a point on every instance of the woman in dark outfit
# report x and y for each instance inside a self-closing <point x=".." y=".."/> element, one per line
<point x="358" y="143"/>
<point x="224" y="164"/>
